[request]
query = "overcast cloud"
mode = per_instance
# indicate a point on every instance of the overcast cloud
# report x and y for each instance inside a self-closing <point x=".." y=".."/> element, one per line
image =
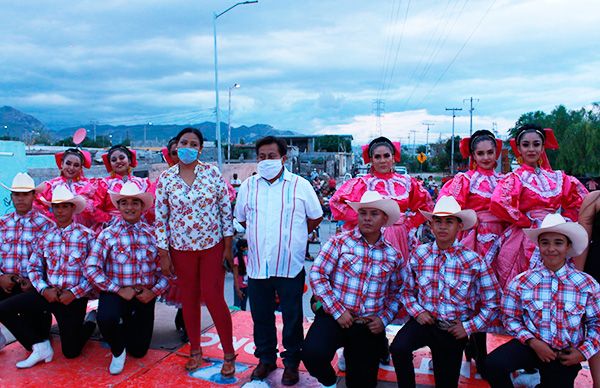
<point x="309" y="66"/>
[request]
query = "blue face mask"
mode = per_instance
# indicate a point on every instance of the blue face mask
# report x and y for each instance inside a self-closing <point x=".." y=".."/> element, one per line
<point x="187" y="155"/>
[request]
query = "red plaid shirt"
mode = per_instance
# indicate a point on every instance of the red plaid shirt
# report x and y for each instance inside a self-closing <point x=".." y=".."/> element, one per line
<point x="18" y="236"/>
<point x="59" y="258"/>
<point x="123" y="255"/>
<point x="452" y="284"/>
<point x="349" y="274"/>
<point x="561" y="308"/>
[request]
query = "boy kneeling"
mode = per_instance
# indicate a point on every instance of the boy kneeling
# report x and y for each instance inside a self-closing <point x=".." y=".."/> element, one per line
<point x="552" y="310"/>
<point x="125" y="267"/>
<point x="450" y="293"/>
<point x="357" y="279"/>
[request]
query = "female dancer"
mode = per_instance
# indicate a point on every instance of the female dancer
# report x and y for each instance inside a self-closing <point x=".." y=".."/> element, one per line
<point x="525" y="196"/>
<point x="119" y="162"/>
<point x="406" y="191"/>
<point x="473" y="190"/>
<point x="71" y="163"/>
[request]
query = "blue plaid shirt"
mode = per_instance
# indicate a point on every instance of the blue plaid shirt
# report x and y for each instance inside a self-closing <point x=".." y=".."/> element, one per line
<point x="561" y="308"/>
<point x="452" y="284"/>
<point x="124" y="255"/>
<point x="18" y="237"/>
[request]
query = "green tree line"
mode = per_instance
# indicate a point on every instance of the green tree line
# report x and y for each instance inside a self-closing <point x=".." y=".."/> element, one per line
<point x="578" y="135"/>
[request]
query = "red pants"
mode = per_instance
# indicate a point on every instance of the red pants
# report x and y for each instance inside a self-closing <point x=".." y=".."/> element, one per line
<point x="202" y="273"/>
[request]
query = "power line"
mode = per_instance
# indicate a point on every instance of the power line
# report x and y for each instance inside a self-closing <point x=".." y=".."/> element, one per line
<point x="459" y="51"/>
<point x="397" y="56"/>
<point x="439" y="44"/>
<point x="389" y="44"/>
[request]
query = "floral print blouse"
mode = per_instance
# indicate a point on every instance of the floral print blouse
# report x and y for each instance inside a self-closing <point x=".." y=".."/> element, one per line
<point x="192" y="218"/>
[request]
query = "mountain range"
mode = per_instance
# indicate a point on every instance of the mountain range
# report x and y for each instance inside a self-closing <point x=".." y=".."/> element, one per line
<point x="17" y="123"/>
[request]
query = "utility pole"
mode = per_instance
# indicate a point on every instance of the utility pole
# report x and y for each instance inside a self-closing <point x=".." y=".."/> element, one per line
<point x="378" y="108"/>
<point x="452" y="145"/>
<point x="470" y="113"/>
<point x="94" y="122"/>
<point x="428" y="123"/>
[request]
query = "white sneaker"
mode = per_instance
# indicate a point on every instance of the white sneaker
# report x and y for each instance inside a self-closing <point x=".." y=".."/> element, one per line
<point x="117" y="364"/>
<point x="41" y="352"/>
<point x="2" y="340"/>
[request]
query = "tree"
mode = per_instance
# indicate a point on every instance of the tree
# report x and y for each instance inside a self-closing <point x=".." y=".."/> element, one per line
<point x="333" y="143"/>
<point x="578" y="135"/>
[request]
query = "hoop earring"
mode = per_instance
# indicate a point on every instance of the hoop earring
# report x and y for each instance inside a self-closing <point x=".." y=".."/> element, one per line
<point x="520" y="160"/>
<point x="540" y="162"/>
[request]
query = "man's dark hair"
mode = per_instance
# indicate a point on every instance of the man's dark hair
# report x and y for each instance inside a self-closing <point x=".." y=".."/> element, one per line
<point x="281" y="144"/>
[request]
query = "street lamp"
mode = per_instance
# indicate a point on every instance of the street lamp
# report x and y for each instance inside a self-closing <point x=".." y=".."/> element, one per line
<point x="218" y="121"/>
<point x="149" y="124"/>
<point x="234" y="86"/>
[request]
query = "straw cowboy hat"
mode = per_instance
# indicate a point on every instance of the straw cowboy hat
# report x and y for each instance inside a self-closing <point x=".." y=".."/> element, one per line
<point x="62" y="194"/>
<point x="22" y="183"/>
<point x="374" y="200"/>
<point x="554" y="222"/>
<point x="131" y="190"/>
<point x="447" y="206"/>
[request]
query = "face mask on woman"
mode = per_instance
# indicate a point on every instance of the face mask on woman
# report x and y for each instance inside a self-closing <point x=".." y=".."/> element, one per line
<point x="187" y="155"/>
<point x="269" y="168"/>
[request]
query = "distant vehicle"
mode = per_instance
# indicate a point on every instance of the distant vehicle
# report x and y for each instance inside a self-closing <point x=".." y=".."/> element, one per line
<point x="401" y="170"/>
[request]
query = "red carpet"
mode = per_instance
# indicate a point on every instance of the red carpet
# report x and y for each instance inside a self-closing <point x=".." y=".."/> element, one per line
<point x="164" y="369"/>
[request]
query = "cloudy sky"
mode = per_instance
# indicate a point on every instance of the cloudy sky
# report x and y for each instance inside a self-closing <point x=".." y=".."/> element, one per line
<point x="313" y="66"/>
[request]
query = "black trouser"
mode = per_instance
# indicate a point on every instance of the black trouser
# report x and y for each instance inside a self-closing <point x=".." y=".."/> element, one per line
<point x="17" y="316"/>
<point x="514" y="355"/>
<point x="446" y="353"/>
<point x="362" y="351"/>
<point x="126" y="324"/>
<point x="262" y="306"/>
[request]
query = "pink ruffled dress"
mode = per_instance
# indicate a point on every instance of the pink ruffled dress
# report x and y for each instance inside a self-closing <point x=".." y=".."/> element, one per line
<point x="523" y="198"/>
<point x="473" y="190"/>
<point x="114" y="183"/>
<point x="91" y="216"/>
<point x="406" y="191"/>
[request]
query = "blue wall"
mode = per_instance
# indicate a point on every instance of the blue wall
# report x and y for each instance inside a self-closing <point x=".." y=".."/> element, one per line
<point x="12" y="161"/>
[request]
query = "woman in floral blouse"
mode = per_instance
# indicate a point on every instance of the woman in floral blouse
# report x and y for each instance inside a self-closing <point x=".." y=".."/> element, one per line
<point x="194" y="229"/>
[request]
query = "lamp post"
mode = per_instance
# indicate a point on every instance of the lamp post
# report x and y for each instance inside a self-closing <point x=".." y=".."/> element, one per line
<point x="234" y="86"/>
<point x="218" y="121"/>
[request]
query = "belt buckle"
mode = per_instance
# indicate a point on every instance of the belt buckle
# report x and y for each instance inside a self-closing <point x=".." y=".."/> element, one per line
<point x="444" y="324"/>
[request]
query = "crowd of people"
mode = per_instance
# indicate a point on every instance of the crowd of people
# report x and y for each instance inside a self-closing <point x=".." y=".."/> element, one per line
<point x="507" y="255"/>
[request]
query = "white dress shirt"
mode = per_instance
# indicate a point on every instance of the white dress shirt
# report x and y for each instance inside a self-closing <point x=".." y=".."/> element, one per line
<point x="276" y="223"/>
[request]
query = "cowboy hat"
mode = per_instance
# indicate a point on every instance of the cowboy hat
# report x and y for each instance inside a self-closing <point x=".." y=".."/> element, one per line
<point x="447" y="206"/>
<point x="62" y="194"/>
<point x="22" y="183"/>
<point x="374" y="200"/>
<point x="131" y="190"/>
<point x="554" y="222"/>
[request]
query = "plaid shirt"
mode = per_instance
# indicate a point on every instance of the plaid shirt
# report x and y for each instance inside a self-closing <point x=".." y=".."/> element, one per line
<point x="561" y="308"/>
<point x="59" y="258"/>
<point x="18" y="236"/>
<point x="123" y="255"/>
<point x="452" y="284"/>
<point x="349" y="274"/>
